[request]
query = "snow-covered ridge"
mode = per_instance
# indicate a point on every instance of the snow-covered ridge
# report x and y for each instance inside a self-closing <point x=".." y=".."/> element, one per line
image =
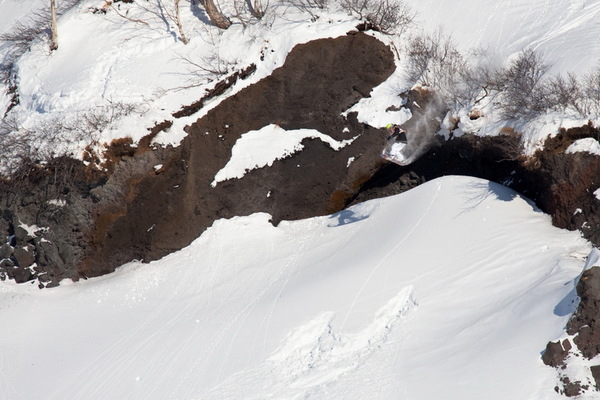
<point x="375" y="301"/>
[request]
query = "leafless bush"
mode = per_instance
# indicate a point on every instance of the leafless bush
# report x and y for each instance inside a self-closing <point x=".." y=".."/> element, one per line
<point x="247" y="10"/>
<point x="579" y="94"/>
<point x="57" y="136"/>
<point x="389" y="16"/>
<point x="523" y="91"/>
<point x="312" y="7"/>
<point x="434" y="61"/>
<point x="591" y="93"/>
<point x="208" y="68"/>
<point x="564" y="92"/>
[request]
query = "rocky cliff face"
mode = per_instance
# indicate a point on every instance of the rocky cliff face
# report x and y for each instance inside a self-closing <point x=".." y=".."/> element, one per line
<point x="92" y="222"/>
<point x="65" y="220"/>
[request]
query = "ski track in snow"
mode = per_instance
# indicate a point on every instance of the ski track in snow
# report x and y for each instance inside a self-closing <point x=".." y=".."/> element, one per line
<point x="314" y="355"/>
<point x="393" y="250"/>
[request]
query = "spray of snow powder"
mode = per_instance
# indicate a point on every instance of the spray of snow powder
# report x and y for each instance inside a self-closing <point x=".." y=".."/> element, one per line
<point x="422" y="127"/>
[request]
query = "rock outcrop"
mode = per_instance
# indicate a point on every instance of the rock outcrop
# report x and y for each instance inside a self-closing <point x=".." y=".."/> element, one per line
<point x="98" y="221"/>
<point x="66" y="220"/>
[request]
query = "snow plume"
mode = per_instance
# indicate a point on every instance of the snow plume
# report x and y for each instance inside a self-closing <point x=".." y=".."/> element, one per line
<point x="421" y="128"/>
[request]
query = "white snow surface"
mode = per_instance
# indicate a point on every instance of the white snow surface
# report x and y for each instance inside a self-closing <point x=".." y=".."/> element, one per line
<point x="256" y="149"/>
<point x="448" y="291"/>
<point x="589" y="145"/>
<point x="561" y="30"/>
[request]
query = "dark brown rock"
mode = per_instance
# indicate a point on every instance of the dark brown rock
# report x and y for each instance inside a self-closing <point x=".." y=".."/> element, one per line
<point x="596" y="375"/>
<point x="6" y="251"/>
<point x="571" y="389"/>
<point x="24" y="255"/>
<point x="585" y="322"/>
<point x="555" y="354"/>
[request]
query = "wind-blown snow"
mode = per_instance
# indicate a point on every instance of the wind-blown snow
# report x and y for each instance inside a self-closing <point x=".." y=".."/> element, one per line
<point x="589" y="145"/>
<point x="256" y="149"/>
<point x="448" y="291"/>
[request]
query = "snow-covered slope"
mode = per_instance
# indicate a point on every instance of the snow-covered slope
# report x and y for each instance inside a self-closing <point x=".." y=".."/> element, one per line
<point x="448" y="291"/>
<point x="563" y="31"/>
<point x="107" y="61"/>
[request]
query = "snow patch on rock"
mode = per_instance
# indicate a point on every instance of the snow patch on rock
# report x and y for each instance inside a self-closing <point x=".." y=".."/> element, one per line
<point x="260" y="148"/>
<point x="589" y="145"/>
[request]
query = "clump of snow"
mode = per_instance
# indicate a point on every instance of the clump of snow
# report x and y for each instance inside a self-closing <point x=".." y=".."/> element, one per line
<point x="57" y="202"/>
<point x="260" y="148"/>
<point x="384" y="105"/>
<point x="589" y="145"/>
<point x="597" y="193"/>
<point x="31" y="229"/>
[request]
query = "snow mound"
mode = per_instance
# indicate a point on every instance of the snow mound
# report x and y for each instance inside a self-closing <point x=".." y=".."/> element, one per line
<point x="458" y="282"/>
<point x="589" y="145"/>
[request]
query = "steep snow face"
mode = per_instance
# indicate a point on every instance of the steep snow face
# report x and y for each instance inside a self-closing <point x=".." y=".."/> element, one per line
<point x="450" y="290"/>
<point x="561" y="30"/>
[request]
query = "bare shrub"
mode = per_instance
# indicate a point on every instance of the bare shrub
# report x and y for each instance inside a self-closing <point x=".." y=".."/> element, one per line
<point x="434" y="61"/>
<point x="388" y="16"/>
<point x="565" y="92"/>
<point x="590" y="103"/>
<point x="523" y="91"/>
<point x="208" y="68"/>
<point x="247" y="10"/>
<point x="56" y="136"/>
<point x="312" y="7"/>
